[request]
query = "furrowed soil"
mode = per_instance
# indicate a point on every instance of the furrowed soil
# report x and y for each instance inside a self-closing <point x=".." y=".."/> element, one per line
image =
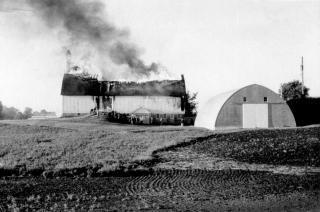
<point x="286" y="151"/>
<point x="295" y="147"/>
<point x="84" y="164"/>
<point x="166" y="190"/>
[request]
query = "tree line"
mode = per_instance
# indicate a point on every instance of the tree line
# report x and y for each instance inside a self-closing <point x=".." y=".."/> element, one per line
<point x="10" y="113"/>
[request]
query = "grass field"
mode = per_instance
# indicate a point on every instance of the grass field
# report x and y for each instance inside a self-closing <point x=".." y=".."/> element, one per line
<point x="84" y="164"/>
<point x="76" y="143"/>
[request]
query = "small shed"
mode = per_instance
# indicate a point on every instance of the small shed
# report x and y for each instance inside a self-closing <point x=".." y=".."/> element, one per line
<point x="253" y="106"/>
<point x="143" y="114"/>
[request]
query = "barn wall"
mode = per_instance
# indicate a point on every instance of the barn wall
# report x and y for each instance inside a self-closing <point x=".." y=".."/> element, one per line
<point x="161" y="104"/>
<point x="77" y="104"/>
<point x="230" y="115"/>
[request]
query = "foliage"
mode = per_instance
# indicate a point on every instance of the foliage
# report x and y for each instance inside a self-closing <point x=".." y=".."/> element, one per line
<point x="20" y="115"/>
<point x="10" y="113"/>
<point x="43" y="112"/>
<point x="191" y="104"/>
<point x="27" y="113"/>
<point x="293" y="90"/>
<point x="1" y="109"/>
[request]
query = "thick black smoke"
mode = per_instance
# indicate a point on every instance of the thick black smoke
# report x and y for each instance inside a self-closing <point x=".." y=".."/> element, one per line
<point x="85" y="22"/>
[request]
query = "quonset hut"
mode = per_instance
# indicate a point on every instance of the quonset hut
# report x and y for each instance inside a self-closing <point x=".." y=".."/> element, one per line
<point x="151" y="101"/>
<point x="253" y="106"/>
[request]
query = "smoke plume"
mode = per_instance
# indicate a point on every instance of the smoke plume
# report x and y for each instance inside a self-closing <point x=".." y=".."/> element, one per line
<point x="90" y="33"/>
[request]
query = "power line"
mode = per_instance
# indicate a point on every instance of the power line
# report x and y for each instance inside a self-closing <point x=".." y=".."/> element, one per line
<point x="302" y="87"/>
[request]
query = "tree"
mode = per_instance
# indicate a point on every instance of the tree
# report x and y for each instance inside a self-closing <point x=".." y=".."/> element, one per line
<point x="293" y="90"/>
<point x="19" y="115"/>
<point x="191" y="104"/>
<point x="9" y="112"/>
<point x="43" y="112"/>
<point x="27" y="112"/>
<point x="1" y="109"/>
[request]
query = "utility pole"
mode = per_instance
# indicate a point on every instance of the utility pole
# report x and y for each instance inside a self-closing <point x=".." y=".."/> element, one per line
<point x="302" y="88"/>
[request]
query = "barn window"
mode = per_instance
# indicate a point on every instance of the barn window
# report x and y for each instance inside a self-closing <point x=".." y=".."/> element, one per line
<point x="265" y="99"/>
<point x="158" y="116"/>
<point x="244" y="99"/>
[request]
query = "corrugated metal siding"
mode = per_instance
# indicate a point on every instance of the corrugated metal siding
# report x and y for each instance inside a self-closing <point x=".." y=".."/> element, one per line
<point x="279" y="116"/>
<point x="161" y="104"/>
<point x="225" y="111"/>
<point x="77" y="104"/>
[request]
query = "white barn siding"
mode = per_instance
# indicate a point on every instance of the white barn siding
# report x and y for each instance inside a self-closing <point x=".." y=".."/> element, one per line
<point x="160" y="104"/>
<point x="77" y="104"/>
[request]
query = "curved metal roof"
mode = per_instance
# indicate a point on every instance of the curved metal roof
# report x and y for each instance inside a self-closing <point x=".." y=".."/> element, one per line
<point x="208" y="114"/>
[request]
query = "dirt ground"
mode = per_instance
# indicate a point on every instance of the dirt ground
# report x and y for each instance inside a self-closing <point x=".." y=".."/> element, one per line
<point x="186" y="158"/>
<point x="165" y="190"/>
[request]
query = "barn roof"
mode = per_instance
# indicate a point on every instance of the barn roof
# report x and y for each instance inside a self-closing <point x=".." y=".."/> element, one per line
<point x="74" y="85"/>
<point x="150" y="88"/>
<point x="142" y="110"/>
<point x="208" y="114"/>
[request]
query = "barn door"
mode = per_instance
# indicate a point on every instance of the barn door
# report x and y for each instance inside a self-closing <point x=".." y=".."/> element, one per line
<point x="255" y="115"/>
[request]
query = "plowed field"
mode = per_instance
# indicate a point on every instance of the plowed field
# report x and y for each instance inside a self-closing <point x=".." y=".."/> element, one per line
<point x="165" y="190"/>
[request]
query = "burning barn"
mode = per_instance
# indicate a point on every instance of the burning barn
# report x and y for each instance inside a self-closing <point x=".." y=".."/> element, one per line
<point x="151" y="102"/>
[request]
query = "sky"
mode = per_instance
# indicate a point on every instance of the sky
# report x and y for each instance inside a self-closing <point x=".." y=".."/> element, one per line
<point x="217" y="45"/>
